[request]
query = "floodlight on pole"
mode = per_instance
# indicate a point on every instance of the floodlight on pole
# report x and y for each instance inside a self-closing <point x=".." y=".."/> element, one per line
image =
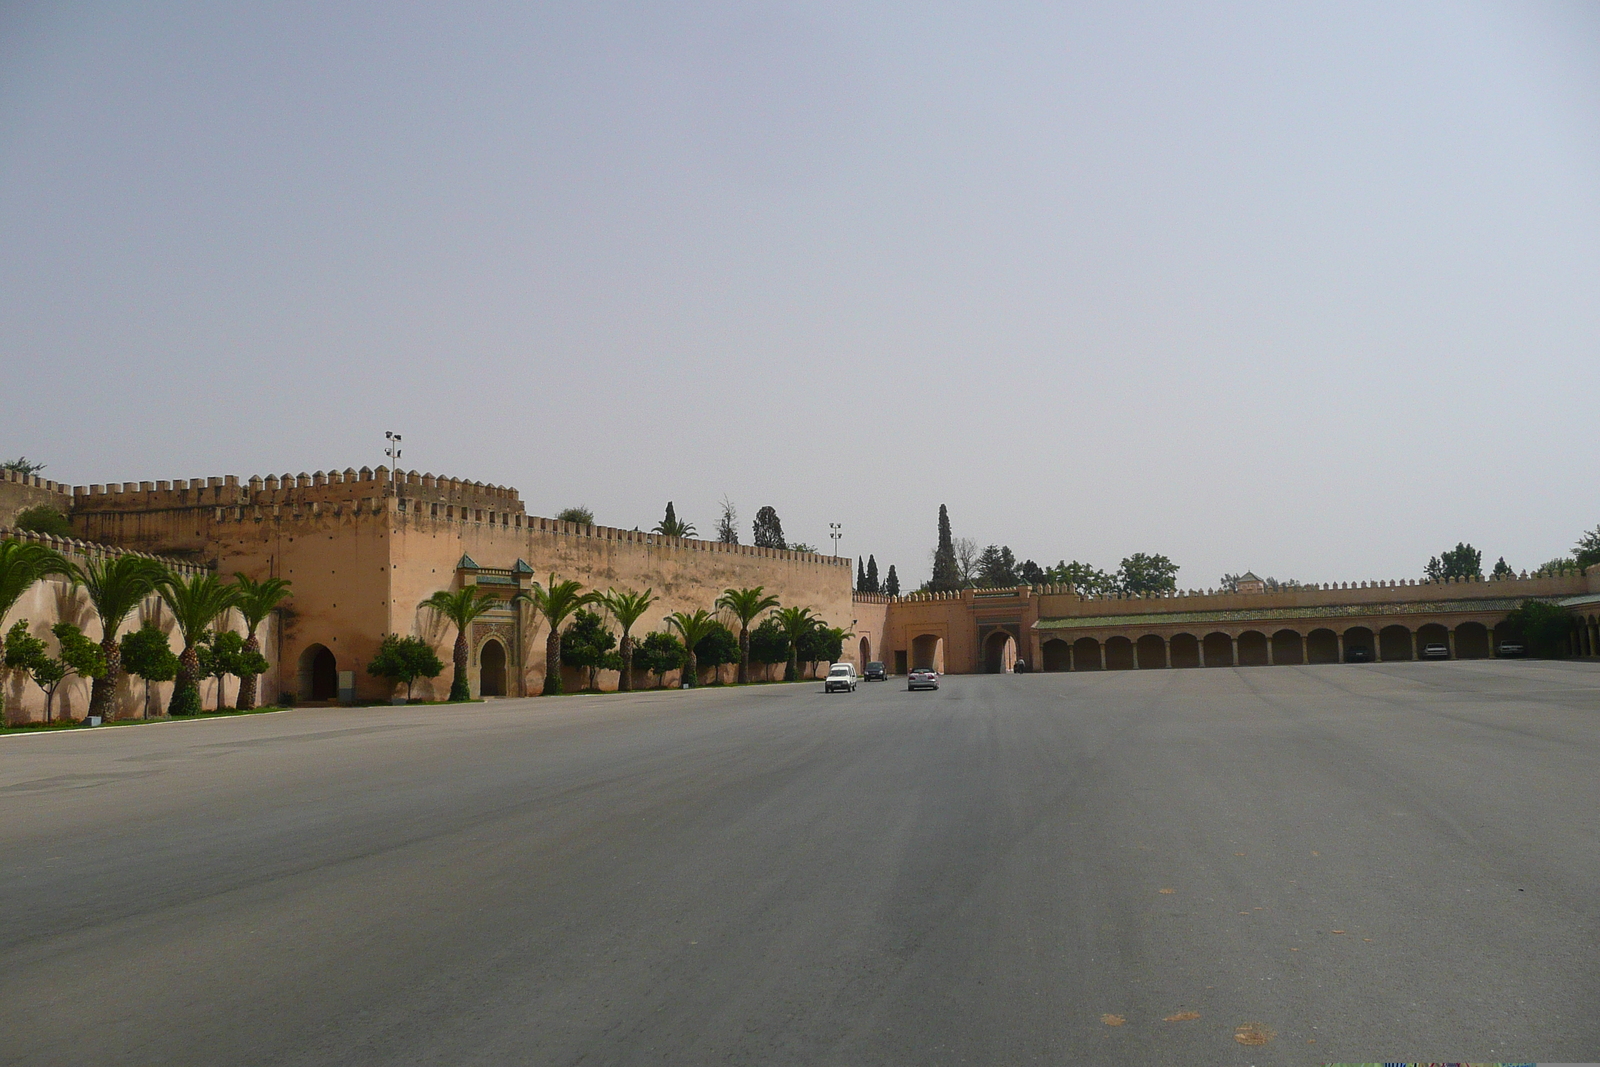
<point x="835" y="531"/>
<point x="392" y="450"/>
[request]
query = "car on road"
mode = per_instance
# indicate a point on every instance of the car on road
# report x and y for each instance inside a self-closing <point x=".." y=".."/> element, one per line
<point x="922" y="678"/>
<point x="1513" y="648"/>
<point x="841" y="679"/>
<point x="1435" y="651"/>
<point x="1358" y="654"/>
<point x="875" y="672"/>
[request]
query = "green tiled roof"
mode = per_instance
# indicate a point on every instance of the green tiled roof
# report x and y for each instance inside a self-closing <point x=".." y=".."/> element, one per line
<point x="1324" y="611"/>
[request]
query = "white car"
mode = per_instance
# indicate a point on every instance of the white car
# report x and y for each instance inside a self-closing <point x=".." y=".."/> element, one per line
<point x="841" y="676"/>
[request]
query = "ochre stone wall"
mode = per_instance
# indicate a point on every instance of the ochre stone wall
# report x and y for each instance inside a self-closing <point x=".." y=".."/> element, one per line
<point x="364" y="548"/>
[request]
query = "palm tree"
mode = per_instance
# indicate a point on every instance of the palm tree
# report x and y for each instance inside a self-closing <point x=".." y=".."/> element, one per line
<point x="693" y="629"/>
<point x="22" y="564"/>
<point x="672" y="526"/>
<point x="116" y="586"/>
<point x="255" y="601"/>
<point x="746" y="604"/>
<point x="556" y="602"/>
<point x="461" y="607"/>
<point x="796" y="623"/>
<point x="196" y="605"/>
<point x="627" y="608"/>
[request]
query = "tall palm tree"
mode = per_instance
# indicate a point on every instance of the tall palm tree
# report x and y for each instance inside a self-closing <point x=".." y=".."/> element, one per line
<point x="627" y="608"/>
<point x="196" y="605"/>
<point x="796" y="623"/>
<point x="461" y="608"/>
<point x="556" y="602"/>
<point x="116" y="585"/>
<point x="746" y="604"/>
<point x="255" y="601"/>
<point x="21" y="564"/>
<point x="693" y="629"/>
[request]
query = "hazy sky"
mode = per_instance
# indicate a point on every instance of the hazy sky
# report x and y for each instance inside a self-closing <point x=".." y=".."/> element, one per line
<point x="1308" y="289"/>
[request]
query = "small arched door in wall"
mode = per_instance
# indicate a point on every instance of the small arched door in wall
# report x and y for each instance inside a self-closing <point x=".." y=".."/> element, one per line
<point x="492" y="669"/>
<point x="319" y="674"/>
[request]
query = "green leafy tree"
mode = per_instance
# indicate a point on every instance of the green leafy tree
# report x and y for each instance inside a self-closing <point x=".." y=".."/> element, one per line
<point x="627" y="607"/>
<point x="224" y="653"/>
<point x="692" y="627"/>
<point x="672" y="526"/>
<point x="716" y="648"/>
<point x="945" y="575"/>
<point x="196" y="604"/>
<point x="796" y="623"/>
<point x="42" y="518"/>
<point x="769" y="644"/>
<point x="1559" y="565"/>
<point x="115" y="585"/>
<point x="1501" y="570"/>
<point x="1142" y="574"/>
<point x="147" y="653"/>
<point x="745" y="605"/>
<point x="1462" y="561"/>
<point x="1087" y="579"/>
<point x="580" y="515"/>
<point x="79" y="656"/>
<point x="1030" y="573"/>
<point x="557" y="601"/>
<point x="821" y="644"/>
<point x="21" y="565"/>
<point x="891" y="584"/>
<point x="659" y="653"/>
<point x="802" y="546"/>
<point x="586" y="644"/>
<point x="402" y="660"/>
<point x="1587" y="552"/>
<point x="255" y="601"/>
<point x="1544" y="627"/>
<point x="767" y="530"/>
<point x="461" y="608"/>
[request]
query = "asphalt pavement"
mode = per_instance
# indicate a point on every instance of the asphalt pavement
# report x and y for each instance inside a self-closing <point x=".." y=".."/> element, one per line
<point x="1281" y="865"/>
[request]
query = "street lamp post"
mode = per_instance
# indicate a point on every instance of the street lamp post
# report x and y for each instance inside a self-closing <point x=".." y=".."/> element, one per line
<point x="835" y="531"/>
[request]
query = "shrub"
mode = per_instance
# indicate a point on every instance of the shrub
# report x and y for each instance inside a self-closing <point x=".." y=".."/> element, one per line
<point x="185" y="700"/>
<point x="44" y="519"/>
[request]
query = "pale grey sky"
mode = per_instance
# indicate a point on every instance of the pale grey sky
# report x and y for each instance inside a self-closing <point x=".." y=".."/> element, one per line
<point x="1312" y="289"/>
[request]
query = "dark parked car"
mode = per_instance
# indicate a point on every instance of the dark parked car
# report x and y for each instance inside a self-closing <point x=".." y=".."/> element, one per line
<point x="1513" y="649"/>
<point x="922" y="678"/>
<point x="1358" y="654"/>
<point x="875" y="672"/>
<point x="1435" y="651"/>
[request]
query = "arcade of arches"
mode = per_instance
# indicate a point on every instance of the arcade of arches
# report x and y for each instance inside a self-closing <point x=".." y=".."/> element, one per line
<point x="1252" y="647"/>
<point x="1052" y="628"/>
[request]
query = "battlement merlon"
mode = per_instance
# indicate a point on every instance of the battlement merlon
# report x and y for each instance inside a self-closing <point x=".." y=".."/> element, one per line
<point x="323" y="487"/>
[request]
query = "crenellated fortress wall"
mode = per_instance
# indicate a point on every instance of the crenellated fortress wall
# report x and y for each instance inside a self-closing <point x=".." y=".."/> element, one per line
<point x="365" y="547"/>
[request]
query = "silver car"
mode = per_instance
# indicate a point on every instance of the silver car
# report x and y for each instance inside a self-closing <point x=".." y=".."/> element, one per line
<point x="922" y="678"/>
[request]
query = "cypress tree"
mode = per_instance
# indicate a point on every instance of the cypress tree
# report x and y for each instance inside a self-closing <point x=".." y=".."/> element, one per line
<point x="945" y="576"/>
<point x="891" y="585"/>
<point x="861" y="577"/>
<point x="872" y="574"/>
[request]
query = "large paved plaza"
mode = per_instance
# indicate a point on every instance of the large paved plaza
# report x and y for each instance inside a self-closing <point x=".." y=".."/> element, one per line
<point x="1376" y="862"/>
